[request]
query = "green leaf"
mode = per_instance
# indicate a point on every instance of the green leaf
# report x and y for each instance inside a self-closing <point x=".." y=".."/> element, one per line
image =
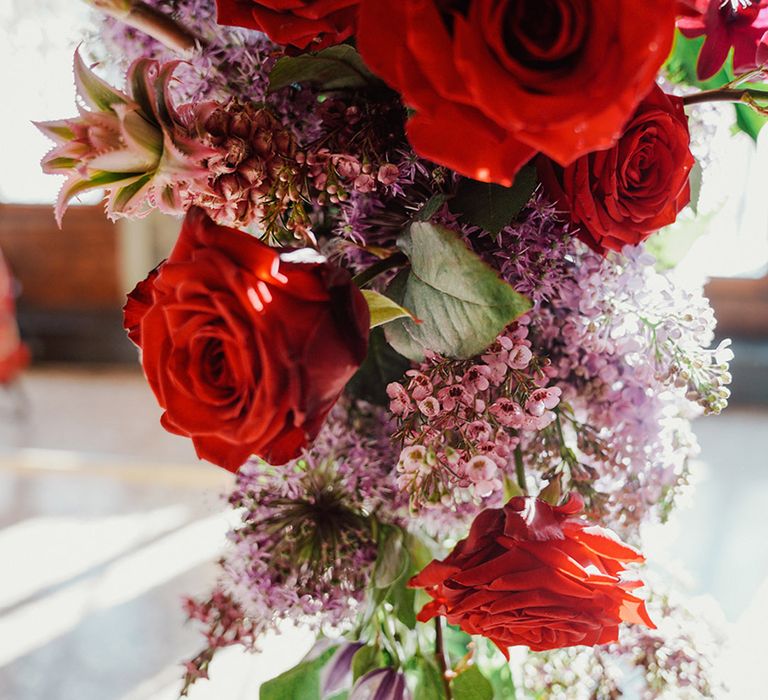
<point x="381" y="366"/>
<point x="456" y="642"/>
<point x="431" y="207"/>
<point x="749" y="121"/>
<point x="365" y="659"/>
<point x="461" y="301"/>
<point x="96" y="93"/>
<point x="471" y="685"/>
<point x="334" y="68"/>
<point x="681" y="67"/>
<point x="403" y="600"/>
<point x="302" y="681"/>
<point x="429" y="684"/>
<point x="492" y="207"/>
<point x="392" y="560"/>
<point x="383" y="309"/>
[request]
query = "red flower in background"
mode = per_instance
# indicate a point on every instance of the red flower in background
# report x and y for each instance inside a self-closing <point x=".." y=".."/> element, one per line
<point x="737" y="24"/>
<point x="14" y="355"/>
<point x="535" y="575"/>
<point x="622" y="195"/>
<point x="246" y="347"/>
<point x="306" y="24"/>
<point x="494" y="81"/>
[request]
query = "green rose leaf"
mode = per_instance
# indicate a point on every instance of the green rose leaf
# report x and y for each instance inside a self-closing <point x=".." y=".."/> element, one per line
<point x="431" y="207"/>
<point x="471" y="685"/>
<point x="381" y="366"/>
<point x="383" y="309"/>
<point x="365" y="659"/>
<point x="429" y="684"/>
<point x="492" y="207"/>
<point x="334" y="68"/>
<point x="393" y="560"/>
<point x="302" y="681"/>
<point x="461" y="301"/>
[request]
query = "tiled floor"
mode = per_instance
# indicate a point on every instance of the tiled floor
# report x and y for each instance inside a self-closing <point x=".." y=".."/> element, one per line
<point x="106" y="521"/>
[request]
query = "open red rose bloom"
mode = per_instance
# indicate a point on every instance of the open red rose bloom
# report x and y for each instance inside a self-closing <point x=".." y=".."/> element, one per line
<point x="622" y="195"/>
<point x="246" y="347"/>
<point x="494" y="82"/>
<point x="534" y="574"/>
<point x="305" y="24"/>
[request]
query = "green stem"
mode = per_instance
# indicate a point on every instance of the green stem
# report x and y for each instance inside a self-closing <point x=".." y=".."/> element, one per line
<point x="520" y="470"/>
<point x="147" y="19"/>
<point x="440" y="657"/>
<point x="368" y="275"/>
<point x="725" y="95"/>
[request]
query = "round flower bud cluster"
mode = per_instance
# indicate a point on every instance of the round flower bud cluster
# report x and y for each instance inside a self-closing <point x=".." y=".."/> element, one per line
<point x="253" y="174"/>
<point x="460" y="421"/>
<point x="305" y="545"/>
<point x="335" y="175"/>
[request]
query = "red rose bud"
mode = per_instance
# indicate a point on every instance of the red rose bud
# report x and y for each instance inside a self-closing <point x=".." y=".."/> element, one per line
<point x="492" y="83"/>
<point x="306" y="24"/>
<point x="246" y="347"/>
<point x="622" y="195"/>
<point x="535" y="575"/>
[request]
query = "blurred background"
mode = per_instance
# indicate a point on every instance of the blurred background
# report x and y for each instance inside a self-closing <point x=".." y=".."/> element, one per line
<point x="106" y="520"/>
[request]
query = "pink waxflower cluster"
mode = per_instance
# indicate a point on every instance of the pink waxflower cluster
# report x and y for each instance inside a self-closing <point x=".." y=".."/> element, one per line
<point x="460" y="421"/>
<point x="335" y="175"/>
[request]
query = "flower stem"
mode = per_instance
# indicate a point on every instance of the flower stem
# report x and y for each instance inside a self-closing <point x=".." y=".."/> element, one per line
<point x="368" y="275"/>
<point x="725" y="95"/>
<point x="159" y="26"/>
<point x="440" y="657"/>
<point x="520" y="470"/>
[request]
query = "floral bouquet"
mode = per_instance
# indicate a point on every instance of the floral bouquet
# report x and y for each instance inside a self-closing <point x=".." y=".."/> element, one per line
<point x="411" y="308"/>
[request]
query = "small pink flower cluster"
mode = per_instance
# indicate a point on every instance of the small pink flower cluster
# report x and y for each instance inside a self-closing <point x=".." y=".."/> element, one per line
<point x="460" y="420"/>
<point x="334" y="175"/>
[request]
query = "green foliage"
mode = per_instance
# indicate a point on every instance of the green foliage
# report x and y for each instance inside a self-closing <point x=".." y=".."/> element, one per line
<point x="383" y="309"/>
<point x="431" y="207"/>
<point x="492" y="207"/>
<point x="334" y="68"/>
<point x="382" y="365"/>
<point x="429" y="684"/>
<point x="301" y="681"/>
<point x="681" y="68"/>
<point x="456" y="642"/>
<point x="392" y="560"/>
<point x="366" y="659"/>
<point x="471" y="685"/>
<point x="461" y="302"/>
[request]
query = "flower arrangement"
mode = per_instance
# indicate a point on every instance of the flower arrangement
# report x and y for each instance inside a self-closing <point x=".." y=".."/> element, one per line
<point x="411" y="308"/>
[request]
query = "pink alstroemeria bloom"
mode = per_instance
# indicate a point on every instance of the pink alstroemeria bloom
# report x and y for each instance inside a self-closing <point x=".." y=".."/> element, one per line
<point x="737" y="24"/>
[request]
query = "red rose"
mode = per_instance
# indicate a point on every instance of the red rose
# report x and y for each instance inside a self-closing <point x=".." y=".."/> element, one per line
<point x="726" y="24"/>
<point x="246" y="347"/>
<point x="534" y="574"/>
<point x="306" y="24"/>
<point x="622" y="195"/>
<point x="494" y="81"/>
